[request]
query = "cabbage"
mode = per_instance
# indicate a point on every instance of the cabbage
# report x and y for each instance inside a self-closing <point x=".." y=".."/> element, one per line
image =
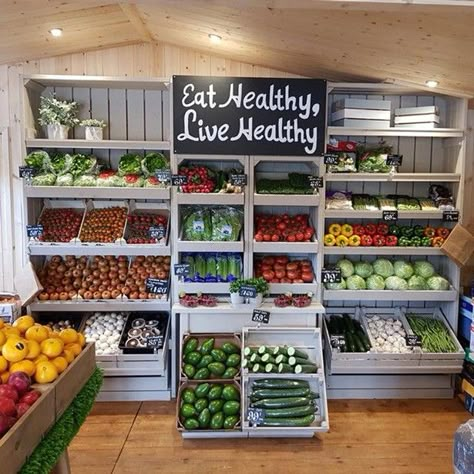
<point x="395" y="283"/>
<point x="424" y="269"/>
<point x="337" y="286"/>
<point x="375" y="282"/>
<point x="437" y="283"/>
<point x="346" y="266"/>
<point x="383" y="267"/>
<point x="363" y="269"/>
<point x="403" y="269"/>
<point x="417" y="283"/>
<point x="355" y="282"/>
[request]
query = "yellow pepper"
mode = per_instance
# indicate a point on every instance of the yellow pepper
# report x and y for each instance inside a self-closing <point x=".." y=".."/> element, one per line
<point x="342" y="241"/>
<point x="329" y="240"/>
<point x="354" y="241"/>
<point x="347" y="230"/>
<point x="335" y="229"/>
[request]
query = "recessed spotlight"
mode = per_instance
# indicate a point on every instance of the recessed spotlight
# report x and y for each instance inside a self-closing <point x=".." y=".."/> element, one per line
<point x="56" y="32"/>
<point x="432" y="83"/>
<point x="215" y="38"/>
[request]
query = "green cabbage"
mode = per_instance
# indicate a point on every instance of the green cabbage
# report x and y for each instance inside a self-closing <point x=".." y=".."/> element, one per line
<point x="346" y="266"/>
<point x="363" y="269"/>
<point x="130" y="163"/>
<point x="417" y="283"/>
<point x="437" y="282"/>
<point x="375" y="282"/>
<point x="355" y="282"/>
<point x="383" y="267"/>
<point x="37" y="160"/>
<point x="424" y="269"/>
<point x="403" y="269"/>
<point x="337" y="286"/>
<point x="396" y="283"/>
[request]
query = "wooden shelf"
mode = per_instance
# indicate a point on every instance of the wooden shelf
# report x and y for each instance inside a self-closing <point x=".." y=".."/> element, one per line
<point x="286" y="199"/>
<point x="395" y="177"/>
<point x="352" y="214"/>
<point x="396" y="132"/>
<point x="206" y="246"/>
<point x="420" y="251"/>
<point x="99" y="144"/>
<point x="103" y="305"/>
<point x="285" y="247"/>
<point x="236" y="199"/>
<point x="390" y="295"/>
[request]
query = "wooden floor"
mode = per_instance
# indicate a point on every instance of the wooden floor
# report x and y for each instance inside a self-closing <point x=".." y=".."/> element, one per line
<point x="370" y="436"/>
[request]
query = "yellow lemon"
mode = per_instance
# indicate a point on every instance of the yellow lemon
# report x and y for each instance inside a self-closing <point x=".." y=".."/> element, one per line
<point x="37" y="333"/>
<point x="14" y="350"/>
<point x="34" y="350"/>
<point x="74" y="348"/>
<point x="52" y="347"/>
<point x="24" y="323"/>
<point x="40" y="358"/>
<point x="81" y="339"/>
<point x="68" y="355"/>
<point x="10" y="331"/>
<point x="68" y="335"/>
<point x="26" y="366"/>
<point x="46" y="372"/>
<point x="60" y="363"/>
<point x="3" y="364"/>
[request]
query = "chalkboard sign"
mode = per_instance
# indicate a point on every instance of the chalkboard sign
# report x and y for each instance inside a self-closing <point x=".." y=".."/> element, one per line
<point x="338" y="341"/>
<point x="261" y="316"/>
<point x="181" y="269"/>
<point x="154" y="342"/>
<point x="248" y="291"/>
<point x="157" y="232"/>
<point x="316" y="181"/>
<point x="390" y="216"/>
<point x="394" y="160"/>
<point x="178" y="179"/>
<point x="331" y="158"/>
<point x="413" y="340"/>
<point x="26" y="172"/>
<point x="331" y="275"/>
<point x="238" y="179"/>
<point x="157" y="286"/>
<point x="255" y="416"/>
<point x="249" y="116"/>
<point x="163" y="176"/>
<point x="450" y="216"/>
<point x="34" y="231"/>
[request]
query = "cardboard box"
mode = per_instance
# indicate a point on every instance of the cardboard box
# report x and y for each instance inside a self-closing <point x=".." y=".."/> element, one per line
<point x="459" y="246"/>
<point x="427" y="109"/>
<point x="416" y="119"/>
<point x="362" y="123"/>
<point x="10" y="307"/>
<point x="362" y="104"/>
<point x="368" y="114"/>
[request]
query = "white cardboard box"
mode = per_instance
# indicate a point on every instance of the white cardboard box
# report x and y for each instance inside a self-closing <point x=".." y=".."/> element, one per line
<point x="418" y="126"/>
<point x="359" y="123"/>
<point x="424" y="118"/>
<point x="362" y="104"/>
<point x="361" y="114"/>
<point x="428" y="109"/>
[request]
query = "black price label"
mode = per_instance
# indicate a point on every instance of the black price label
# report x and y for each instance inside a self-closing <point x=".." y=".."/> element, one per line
<point x="156" y="232"/>
<point x="163" y="176"/>
<point x="181" y="269"/>
<point x="248" y="291"/>
<point x="34" y="231"/>
<point x="26" y="172"/>
<point x="255" y="416"/>
<point x="413" y="340"/>
<point x="178" y="180"/>
<point x="157" y="286"/>
<point x="331" y="158"/>
<point x="450" y="216"/>
<point x="394" y="160"/>
<point x="469" y="403"/>
<point x="238" y="179"/>
<point x="331" y="275"/>
<point x="338" y="341"/>
<point x="316" y="181"/>
<point x="154" y="342"/>
<point x="390" y="216"/>
<point x="261" y="316"/>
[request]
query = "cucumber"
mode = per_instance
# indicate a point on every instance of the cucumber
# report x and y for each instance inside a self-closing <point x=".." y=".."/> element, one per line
<point x="230" y="348"/>
<point x="292" y="351"/>
<point x="279" y="393"/>
<point x="262" y="349"/>
<point x="233" y="360"/>
<point x="255" y="358"/>
<point x="207" y="346"/>
<point x="357" y="343"/>
<point x="231" y="407"/>
<point x="248" y="351"/>
<point x="218" y="355"/>
<point x="202" y="374"/>
<point x="202" y="390"/>
<point x="190" y="345"/>
<point x="187" y="410"/>
<point x="215" y="393"/>
<point x="350" y="342"/>
<point x="215" y="406"/>
<point x="305" y="369"/>
<point x="289" y="412"/>
<point x="289" y="422"/>
<point x="217" y="421"/>
<point x="230" y="393"/>
<point x="348" y="324"/>
<point x="280" y="383"/>
<point x="205" y="361"/>
<point x="230" y="422"/>
<point x="285" y="369"/>
<point x="286" y="402"/>
<point x="364" y="338"/>
<point x="189" y="370"/>
<point x="188" y="396"/>
<point x="191" y="424"/>
<point x="271" y="368"/>
<point x="204" y="418"/>
<point x="216" y="368"/>
<point x="230" y="373"/>
<point x="201" y="404"/>
<point x="281" y="359"/>
<point x="192" y="358"/>
<point x="245" y="363"/>
<point x="267" y="358"/>
<point x="257" y="368"/>
<point x="298" y="360"/>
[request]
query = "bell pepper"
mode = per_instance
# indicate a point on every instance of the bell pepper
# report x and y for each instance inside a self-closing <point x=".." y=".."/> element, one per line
<point x="442" y="232"/>
<point x="354" y="241"/>
<point x="394" y="230"/>
<point x="437" y="241"/>
<point x="429" y="231"/>
<point x="416" y="241"/>
<point x="367" y="241"/>
<point x="379" y="240"/>
<point x="335" y="229"/>
<point x="347" y="230"/>
<point x="404" y="242"/>
<point x="382" y="228"/>
<point x="329" y="240"/>
<point x="407" y="231"/>
<point x="359" y="229"/>
<point x="426" y="242"/>
<point x="418" y="230"/>
<point x="370" y="229"/>
<point x="391" y="240"/>
<point x="342" y="241"/>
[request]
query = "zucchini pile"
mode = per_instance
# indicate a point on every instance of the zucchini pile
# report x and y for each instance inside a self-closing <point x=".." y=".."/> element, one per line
<point x="205" y="361"/>
<point x="278" y="359"/>
<point x="210" y="407"/>
<point x="285" y="403"/>
<point x="356" y="340"/>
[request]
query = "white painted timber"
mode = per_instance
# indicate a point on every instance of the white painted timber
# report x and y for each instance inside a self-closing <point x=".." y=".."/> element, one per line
<point x="420" y="251"/>
<point x="99" y="144"/>
<point x="101" y="305"/>
<point x="395" y="177"/>
<point x="285" y="247"/>
<point x="236" y="199"/>
<point x="396" y="132"/>
<point x="390" y="295"/>
<point x="286" y="199"/>
<point x="99" y="249"/>
<point x="353" y="214"/>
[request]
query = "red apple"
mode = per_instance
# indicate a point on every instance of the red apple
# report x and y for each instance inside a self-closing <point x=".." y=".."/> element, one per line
<point x="22" y="408"/>
<point x="7" y="407"/>
<point x="7" y="391"/>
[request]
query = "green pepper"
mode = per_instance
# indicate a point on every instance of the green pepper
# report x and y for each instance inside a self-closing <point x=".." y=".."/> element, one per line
<point x="425" y="242"/>
<point x="407" y="231"/>
<point x="418" y="230"/>
<point x="416" y="241"/>
<point x="394" y="230"/>
<point x="404" y="242"/>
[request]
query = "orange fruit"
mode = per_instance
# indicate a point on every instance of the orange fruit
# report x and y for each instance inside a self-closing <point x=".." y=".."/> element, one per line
<point x="26" y="366"/>
<point x="40" y="358"/>
<point x="68" y="335"/>
<point x="37" y="333"/>
<point x="23" y="323"/>
<point x="3" y="338"/>
<point x="60" y="363"/>
<point x="11" y="331"/>
<point x="75" y="348"/>
<point x="14" y="350"/>
<point x="34" y="350"/>
<point x="46" y="372"/>
<point x="52" y="347"/>
<point x="81" y="339"/>
<point x="4" y="376"/>
<point x="68" y="355"/>
<point x="3" y="364"/>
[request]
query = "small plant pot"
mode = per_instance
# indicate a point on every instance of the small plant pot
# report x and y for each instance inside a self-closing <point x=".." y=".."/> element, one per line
<point x="57" y="131"/>
<point x="94" y="133"/>
<point x="235" y="298"/>
<point x="257" y="301"/>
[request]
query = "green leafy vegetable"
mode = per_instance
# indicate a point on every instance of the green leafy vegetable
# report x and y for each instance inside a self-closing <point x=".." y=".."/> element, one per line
<point x="37" y="159"/>
<point x="153" y="162"/>
<point x="82" y="165"/>
<point x="130" y="164"/>
<point x="47" y="179"/>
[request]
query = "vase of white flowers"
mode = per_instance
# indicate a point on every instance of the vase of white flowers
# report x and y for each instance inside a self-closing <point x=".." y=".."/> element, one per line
<point x="58" y="116"/>
<point x="94" y="129"/>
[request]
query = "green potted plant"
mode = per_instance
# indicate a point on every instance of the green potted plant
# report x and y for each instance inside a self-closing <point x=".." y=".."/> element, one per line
<point x="261" y="285"/>
<point x="94" y="129"/>
<point x="234" y="288"/>
<point x="58" y="116"/>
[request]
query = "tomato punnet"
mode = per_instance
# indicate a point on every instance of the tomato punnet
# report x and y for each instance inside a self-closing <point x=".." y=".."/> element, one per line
<point x="280" y="228"/>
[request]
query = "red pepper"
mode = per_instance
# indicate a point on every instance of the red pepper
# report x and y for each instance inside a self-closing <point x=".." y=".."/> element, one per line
<point x="379" y="240"/>
<point x="429" y="231"/>
<point x="442" y="232"/>
<point x="359" y="230"/>
<point x="437" y="242"/>
<point x="382" y="228"/>
<point x="366" y="240"/>
<point x="370" y="229"/>
<point x="391" y="240"/>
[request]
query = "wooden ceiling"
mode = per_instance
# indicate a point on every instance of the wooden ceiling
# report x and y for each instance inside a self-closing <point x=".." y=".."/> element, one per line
<point x="352" y="40"/>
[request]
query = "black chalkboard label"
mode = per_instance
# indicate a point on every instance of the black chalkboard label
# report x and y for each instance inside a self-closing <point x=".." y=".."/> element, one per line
<point x="178" y="179"/>
<point x="34" y="231"/>
<point x="338" y="341"/>
<point x="26" y="172"/>
<point x="157" y="286"/>
<point x="163" y="176"/>
<point x="390" y="216"/>
<point x="154" y="342"/>
<point x="156" y="232"/>
<point x="261" y="316"/>
<point x="413" y="340"/>
<point x="248" y="291"/>
<point x="450" y="216"/>
<point x="331" y="158"/>
<point x="331" y="275"/>
<point x="316" y="182"/>
<point x="238" y="179"/>
<point x="255" y="416"/>
<point x="394" y="160"/>
<point x="181" y="269"/>
<point x="249" y="116"/>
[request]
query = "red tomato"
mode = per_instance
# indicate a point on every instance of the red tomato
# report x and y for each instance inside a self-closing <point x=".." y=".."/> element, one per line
<point x="275" y="280"/>
<point x="265" y="267"/>
<point x="306" y="268"/>
<point x="279" y="266"/>
<point x="307" y="277"/>
<point x="281" y="226"/>
<point x="268" y="260"/>
<point x="280" y="273"/>
<point x="275" y="238"/>
<point x="267" y="237"/>
<point x="292" y="266"/>
<point x="291" y="274"/>
<point x="307" y="236"/>
<point x="285" y="280"/>
<point x="258" y="238"/>
<point x="291" y="238"/>
<point x="299" y="236"/>
<point x="298" y="280"/>
<point x="268" y="275"/>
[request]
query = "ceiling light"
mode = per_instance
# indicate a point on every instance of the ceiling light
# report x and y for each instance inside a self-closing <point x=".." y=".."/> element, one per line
<point x="56" y="32"/>
<point x="432" y="83"/>
<point x="215" y="38"/>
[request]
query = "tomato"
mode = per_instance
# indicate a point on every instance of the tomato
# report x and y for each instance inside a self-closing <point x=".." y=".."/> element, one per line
<point x="281" y="259"/>
<point x="267" y="237"/>
<point x="279" y="266"/>
<point x="305" y="261"/>
<point x="298" y="280"/>
<point x="258" y="238"/>
<point x="307" y="236"/>
<point x="268" y="275"/>
<point x="275" y="238"/>
<point x="285" y="280"/>
<point x="265" y="267"/>
<point x="291" y="238"/>
<point x="307" y="277"/>
<point x="280" y="273"/>
<point x="292" y="266"/>
<point x="299" y="236"/>
<point x="281" y="226"/>
<point x="306" y="268"/>
<point x="275" y="280"/>
<point x="291" y="274"/>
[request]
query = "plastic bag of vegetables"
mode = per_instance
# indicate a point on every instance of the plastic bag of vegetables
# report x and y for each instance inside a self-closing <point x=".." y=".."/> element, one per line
<point x="58" y="164"/>
<point x="226" y="224"/>
<point x="86" y="180"/>
<point x="153" y="182"/>
<point x="152" y="162"/>
<point x="130" y="164"/>
<point x="83" y="165"/>
<point x="36" y="160"/>
<point x="65" y="180"/>
<point x="197" y="224"/>
<point x="133" y="181"/>
<point x="110" y="178"/>
<point x="373" y="158"/>
<point x="46" y="179"/>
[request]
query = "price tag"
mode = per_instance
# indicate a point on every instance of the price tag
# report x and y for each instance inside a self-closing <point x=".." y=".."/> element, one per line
<point x="156" y="232"/>
<point x="238" y="179"/>
<point x="157" y="286"/>
<point x="26" y="172"/>
<point x="450" y="216"/>
<point x="34" y="231"/>
<point x="316" y="181"/>
<point x="413" y="340"/>
<point x="390" y="216"/>
<point x="469" y="403"/>
<point x="394" y="160"/>
<point x="163" y="176"/>
<point x="154" y="342"/>
<point x="331" y="158"/>
<point x="178" y="180"/>
<point x="261" y="316"/>
<point x="248" y="291"/>
<point x="181" y="269"/>
<point x="255" y="416"/>
<point x="331" y="275"/>
<point x="337" y="341"/>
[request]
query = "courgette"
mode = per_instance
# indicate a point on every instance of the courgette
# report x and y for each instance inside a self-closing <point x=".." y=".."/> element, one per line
<point x="269" y="368"/>
<point x="285" y="368"/>
<point x="289" y="422"/>
<point x="279" y="350"/>
<point x="279" y="393"/>
<point x="305" y="369"/>
<point x="263" y="349"/>
<point x="286" y="402"/>
<point x="289" y="412"/>
<point x="349" y="326"/>
<point x="349" y="342"/>
<point x="292" y="351"/>
<point x="280" y="383"/>
<point x="299" y="360"/>
<point x="245" y="363"/>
